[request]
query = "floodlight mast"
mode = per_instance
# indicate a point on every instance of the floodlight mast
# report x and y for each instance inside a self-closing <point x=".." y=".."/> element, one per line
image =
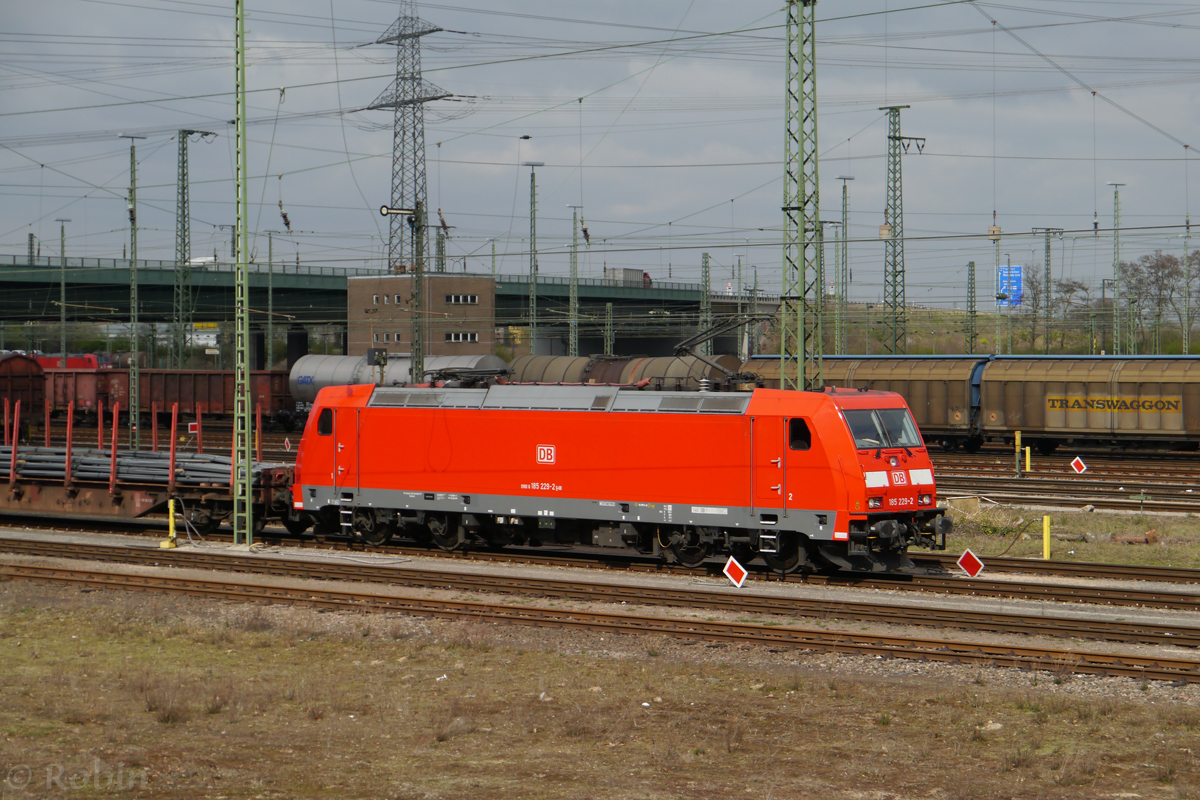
<point x="417" y="282"/>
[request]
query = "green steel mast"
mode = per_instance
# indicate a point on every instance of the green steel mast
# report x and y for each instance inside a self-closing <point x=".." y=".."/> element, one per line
<point x="243" y="513"/>
<point x="972" y="311"/>
<point x="800" y="339"/>
<point x="895" y="323"/>
<point x="706" y="312"/>
<point x="573" y="300"/>
<point x="134" y="355"/>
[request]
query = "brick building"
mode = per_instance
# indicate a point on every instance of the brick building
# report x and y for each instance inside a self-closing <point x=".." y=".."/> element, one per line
<point x="460" y="313"/>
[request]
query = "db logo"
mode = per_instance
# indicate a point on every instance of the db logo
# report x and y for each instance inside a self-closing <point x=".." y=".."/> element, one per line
<point x="545" y="454"/>
<point x="899" y="478"/>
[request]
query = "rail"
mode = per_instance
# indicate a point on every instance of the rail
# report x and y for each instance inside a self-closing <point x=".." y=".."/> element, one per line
<point x="716" y="599"/>
<point x="866" y="644"/>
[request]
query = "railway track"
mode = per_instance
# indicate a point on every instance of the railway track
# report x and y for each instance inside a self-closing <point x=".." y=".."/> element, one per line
<point x="1029" y="658"/>
<point x="572" y="589"/>
<point x="1131" y="482"/>
<point x="1072" y="569"/>
<point x="926" y="583"/>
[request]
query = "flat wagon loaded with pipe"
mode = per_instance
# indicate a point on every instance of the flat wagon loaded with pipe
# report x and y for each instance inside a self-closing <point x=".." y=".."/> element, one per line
<point x="108" y="482"/>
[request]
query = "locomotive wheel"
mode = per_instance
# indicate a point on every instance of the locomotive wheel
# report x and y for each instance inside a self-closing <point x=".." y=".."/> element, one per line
<point x="297" y="524"/>
<point x="791" y="555"/>
<point x="443" y="530"/>
<point x="369" y="527"/>
<point x="690" y="551"/>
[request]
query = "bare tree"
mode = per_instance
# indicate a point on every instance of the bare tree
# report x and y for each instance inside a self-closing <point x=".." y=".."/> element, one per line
<point x="1033" y="302"/>
<point x="1072" y="301"/>
<point x="1154" y="284"/>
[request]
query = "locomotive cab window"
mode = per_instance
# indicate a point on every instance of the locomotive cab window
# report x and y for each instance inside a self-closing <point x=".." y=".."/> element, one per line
<point x="882" y="427"/>
<point x="799" y="436"/>
<point x="325" y="422"/>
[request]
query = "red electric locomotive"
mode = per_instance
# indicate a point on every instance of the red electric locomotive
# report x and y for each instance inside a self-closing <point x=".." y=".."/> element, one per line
<point x="835" y="479"/>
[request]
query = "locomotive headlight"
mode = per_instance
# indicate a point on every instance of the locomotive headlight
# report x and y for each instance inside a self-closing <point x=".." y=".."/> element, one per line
<point x="894" y="461"/>
<point x="874" y="502"/>
<point x="924" y="499"/>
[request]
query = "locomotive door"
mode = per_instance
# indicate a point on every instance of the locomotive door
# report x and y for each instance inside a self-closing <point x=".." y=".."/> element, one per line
<point x="345" y="449"/>
<point x="770" y="486"/>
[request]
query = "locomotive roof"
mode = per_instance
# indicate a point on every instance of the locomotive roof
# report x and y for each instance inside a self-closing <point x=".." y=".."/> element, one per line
<point x="561" y="398"/>
<point x="597" y="398"/>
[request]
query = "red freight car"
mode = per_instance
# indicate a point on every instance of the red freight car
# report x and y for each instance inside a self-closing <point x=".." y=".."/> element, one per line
<point x="837" y="479"/>
<point x="22" y="378"/>
<point x="208" y="391"/>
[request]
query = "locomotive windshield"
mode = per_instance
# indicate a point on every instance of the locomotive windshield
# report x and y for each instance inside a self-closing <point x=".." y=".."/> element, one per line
<point x="882" y="427"/>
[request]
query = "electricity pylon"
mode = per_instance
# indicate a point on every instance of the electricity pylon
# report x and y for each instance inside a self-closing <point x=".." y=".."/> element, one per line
<point x="407" y="95"/>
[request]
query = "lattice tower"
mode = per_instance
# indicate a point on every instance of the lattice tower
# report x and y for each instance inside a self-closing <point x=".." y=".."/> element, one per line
<point x="800" y="340"/>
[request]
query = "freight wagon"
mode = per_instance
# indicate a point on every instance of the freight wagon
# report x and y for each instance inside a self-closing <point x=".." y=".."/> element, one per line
<point x="964" y="401"/>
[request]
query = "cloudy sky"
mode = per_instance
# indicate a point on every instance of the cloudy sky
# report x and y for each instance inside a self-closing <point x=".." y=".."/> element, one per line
<point x="663" y="119"/>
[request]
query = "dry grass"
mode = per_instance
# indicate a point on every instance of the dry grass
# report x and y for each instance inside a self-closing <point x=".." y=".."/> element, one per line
<point x="209" y="699"/>
<point x="992" y="530"/>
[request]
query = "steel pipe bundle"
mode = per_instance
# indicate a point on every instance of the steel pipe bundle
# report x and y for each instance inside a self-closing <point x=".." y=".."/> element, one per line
<point x="140" y="466"/>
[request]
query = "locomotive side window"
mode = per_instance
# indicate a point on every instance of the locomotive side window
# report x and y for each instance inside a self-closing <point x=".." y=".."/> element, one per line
<point x="799" y="436"/>
<point x="325" y="422"/>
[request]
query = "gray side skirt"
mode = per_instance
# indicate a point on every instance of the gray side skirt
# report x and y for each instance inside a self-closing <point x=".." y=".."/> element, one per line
<point x="817" y="524"/>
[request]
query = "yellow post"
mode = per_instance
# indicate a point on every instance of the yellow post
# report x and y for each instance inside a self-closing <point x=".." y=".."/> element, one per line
<point x="1027" y="467"/>
<point x="1046" y="538"/>
<point x="170" y="542"/>
<point x="1017" y="454"/>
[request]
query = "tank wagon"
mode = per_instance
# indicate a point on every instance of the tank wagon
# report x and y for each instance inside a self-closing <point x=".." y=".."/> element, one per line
<point x="837" y="479"/>
<point x="662" y="372"/>
<point x="964" y="401"/>
<point x="312" y="373"/>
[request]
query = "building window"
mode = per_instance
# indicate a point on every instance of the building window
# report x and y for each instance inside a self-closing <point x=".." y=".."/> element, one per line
<point x="385" y="299"/>
<point x="462" y="299"/>
<point x="462" y="337"/>
<point x="397" y="299"/>
<point x="375" y="299"/>
<point x="386" y="336"/>
<point x="375" y="337"/>
<point x="396" y="337"/>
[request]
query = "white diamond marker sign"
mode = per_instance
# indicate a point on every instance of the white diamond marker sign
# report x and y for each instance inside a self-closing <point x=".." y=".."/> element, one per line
<point x="735" y="572"/>
<point x="1078" y="465"/>
<point x="970" y="563"/>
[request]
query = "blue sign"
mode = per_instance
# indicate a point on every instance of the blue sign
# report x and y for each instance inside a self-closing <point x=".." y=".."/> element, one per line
<point x="1010" y="281"/>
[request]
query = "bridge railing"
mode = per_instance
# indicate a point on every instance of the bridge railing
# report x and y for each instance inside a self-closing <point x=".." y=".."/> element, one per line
<point x="281" y="267"/>
<point x="555" y="280"/>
